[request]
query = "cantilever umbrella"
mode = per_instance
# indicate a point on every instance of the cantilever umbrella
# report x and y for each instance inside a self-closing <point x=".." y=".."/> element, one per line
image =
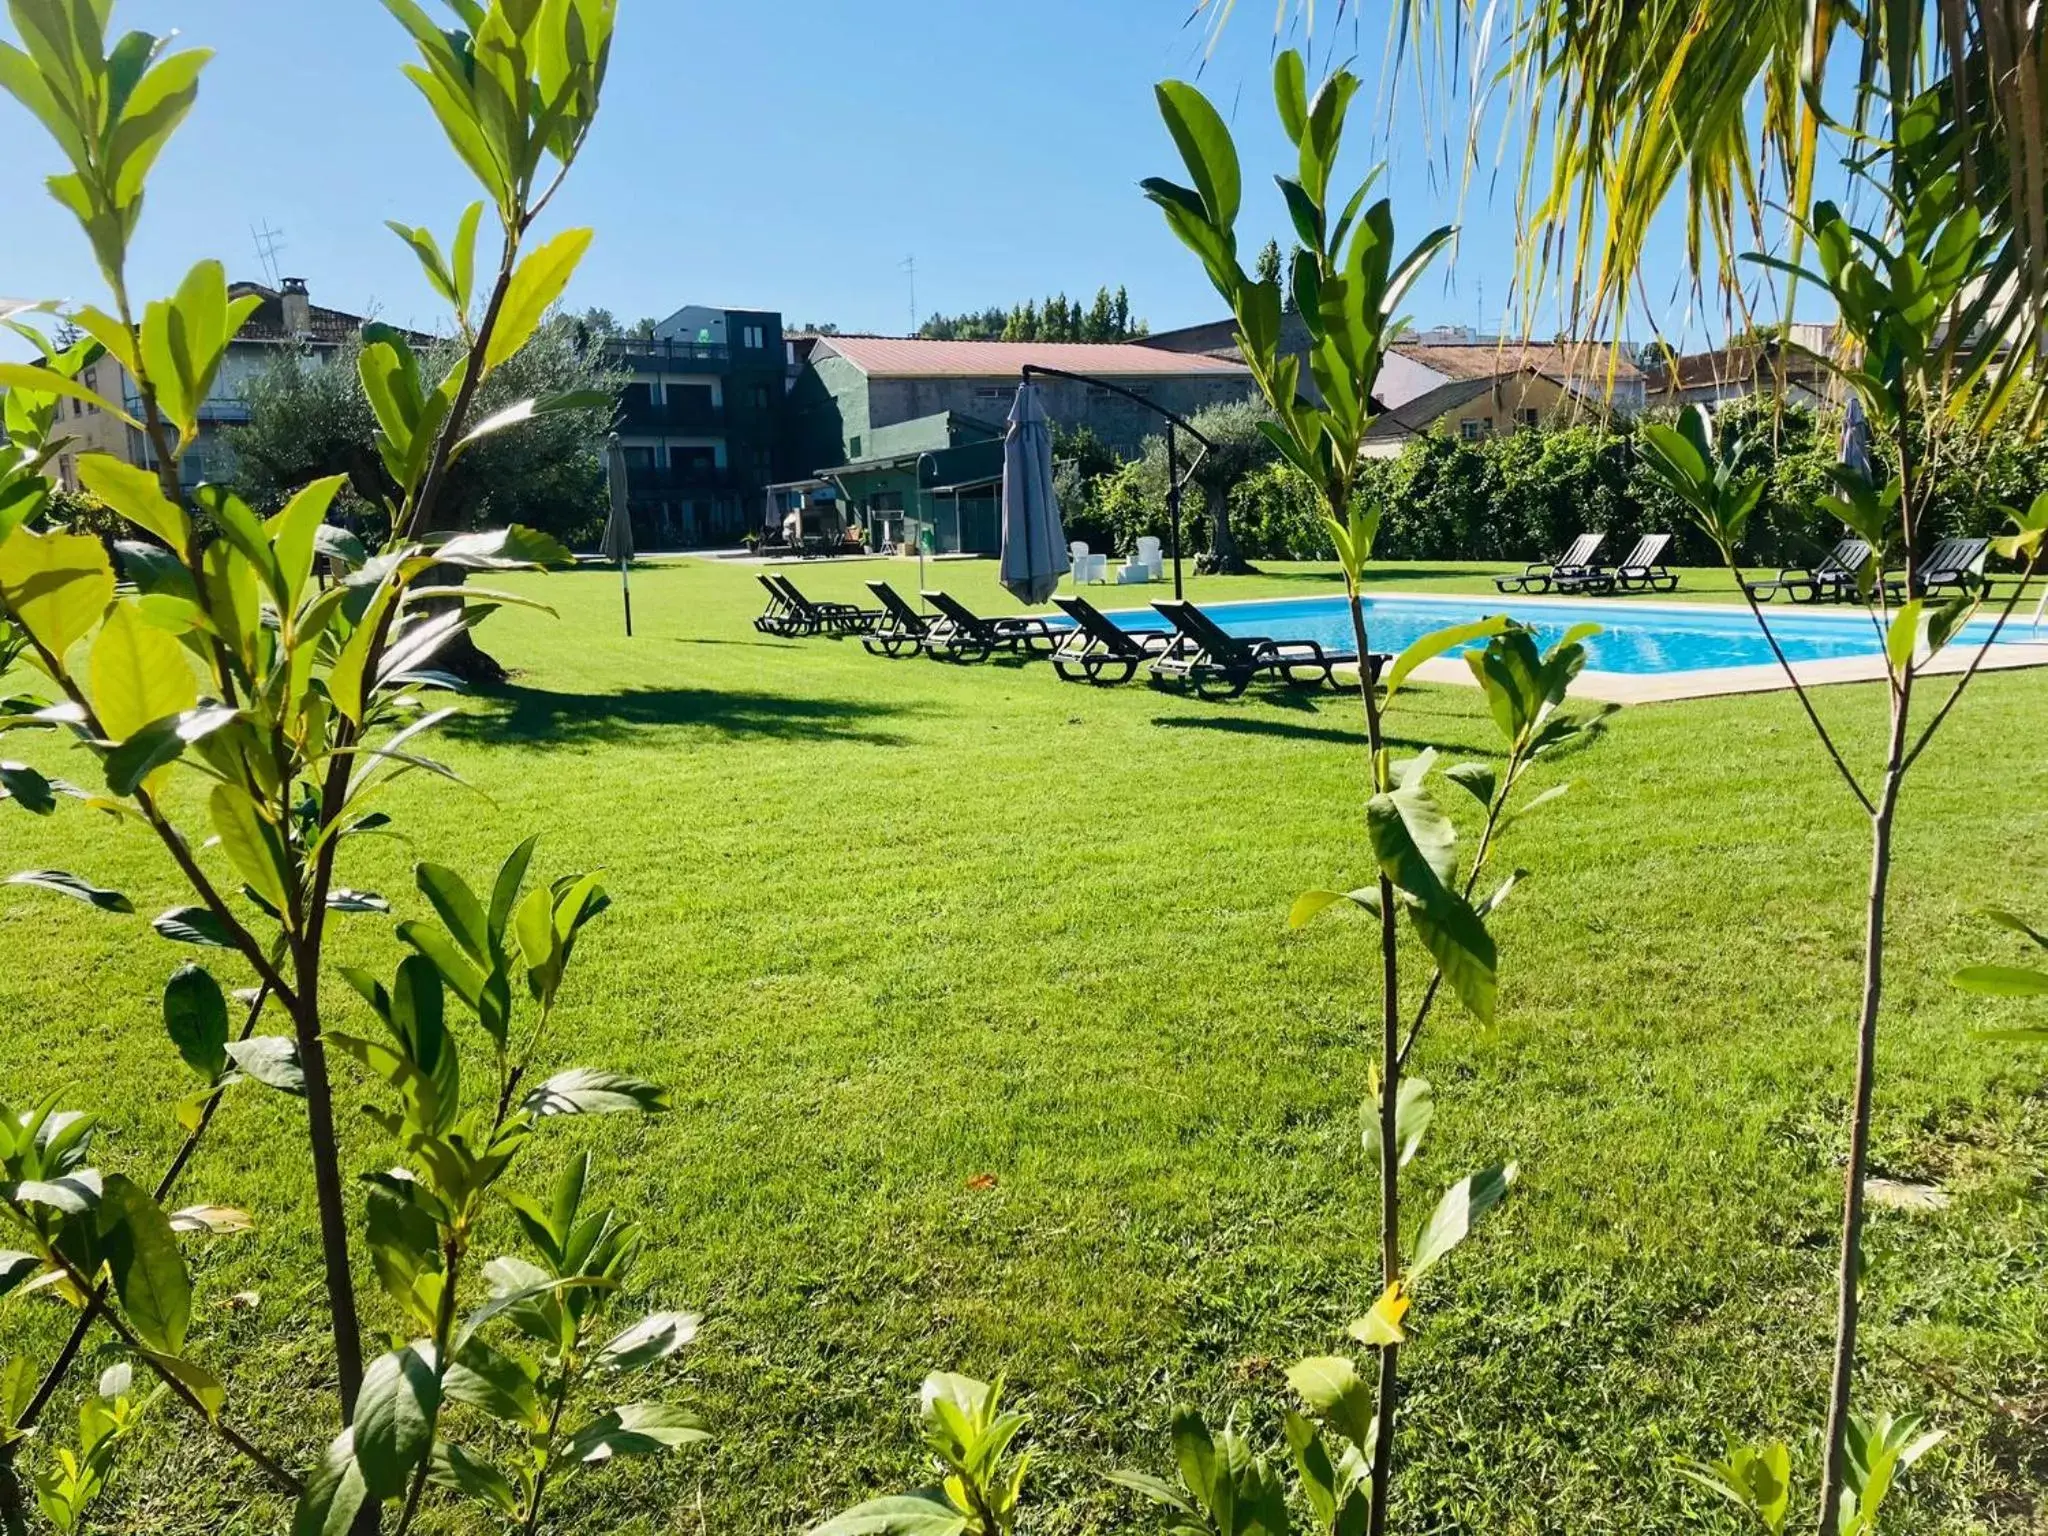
<point x="617" y="546"/>
<point x="1034" y="546"/>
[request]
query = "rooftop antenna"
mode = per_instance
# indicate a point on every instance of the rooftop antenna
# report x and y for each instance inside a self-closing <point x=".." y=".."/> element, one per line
<point x="909" y="265"/>
<point x="268" y="243"/>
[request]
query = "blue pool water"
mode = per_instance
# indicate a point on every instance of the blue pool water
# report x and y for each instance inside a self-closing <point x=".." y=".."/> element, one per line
<point x="1633" y="637"/>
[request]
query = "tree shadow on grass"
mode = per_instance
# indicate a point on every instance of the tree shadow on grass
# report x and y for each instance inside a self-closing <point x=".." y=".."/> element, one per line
<point x="539" y="717"/>
<point x="1293" y="730"/>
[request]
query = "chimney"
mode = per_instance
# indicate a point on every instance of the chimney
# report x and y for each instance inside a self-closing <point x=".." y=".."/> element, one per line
<point x="298" y="307"/>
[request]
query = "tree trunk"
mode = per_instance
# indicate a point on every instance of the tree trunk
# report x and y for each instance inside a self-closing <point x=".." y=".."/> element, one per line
<point x="1222" y="558"/>
<point x="461" y="657"/>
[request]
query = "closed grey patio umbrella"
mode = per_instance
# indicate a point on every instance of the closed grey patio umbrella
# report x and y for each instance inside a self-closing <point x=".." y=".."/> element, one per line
<point x="1034" y="546"/>
<point x="617" y="546"/>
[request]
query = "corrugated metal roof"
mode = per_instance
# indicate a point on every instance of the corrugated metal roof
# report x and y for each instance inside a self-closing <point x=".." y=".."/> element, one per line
<point x="1583" y="359"/>
<point x="904" y="357"/>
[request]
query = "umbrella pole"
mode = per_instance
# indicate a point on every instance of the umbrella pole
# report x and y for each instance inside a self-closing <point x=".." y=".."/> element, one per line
<point x="626" y="591"/>
<point x="1173" y="503"/>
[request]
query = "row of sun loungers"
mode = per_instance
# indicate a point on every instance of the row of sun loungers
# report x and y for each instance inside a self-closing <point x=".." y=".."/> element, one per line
<point x="1953" y="564"/>
<point x="1579" y="570"/>
<point x="1195" y="652"/>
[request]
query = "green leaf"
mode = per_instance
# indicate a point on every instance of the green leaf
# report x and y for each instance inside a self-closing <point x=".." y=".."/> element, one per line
<point x="334" y="1492"/>
<point x="494" y="1382"/>
<point x="1451" y="1222"/>
<point x="149" y="1271"/>
<point x="56" y="584"/>
<point x="467" y="1473"/>
<point x="1309" y="903"/>
<point x="1435" y="643"/>
<point x="27" y="788"/>
<point x="1206" y="148"/>
<point x="16" y="1267"/>
<point x="2002" y="981"/>
<point x="196" y="1016"/>
<point x="537" y="283"/>
<point x="1477" y="780"/>
<point x="1157" y="1489"/>
<point x="194" y="925"/>
<point x="905" y="1514"/>
<point x="272" y="1060"/>
<point x="1290" y="93"/>
<point x="394" y="1423"/>
<point x="250" y="841"/>
<point x="594" y="1091"/>
<point x="1414" y="841"/>
<point x="2012" y="921"/>
<point x="70" y="885"/>
<point x="162" y="742"/>
<point x="654" y="1337"/>
<point x="196" y="1378"/>
<point x="1332" y="1386"/>
<point x="1414" y="1108"/>
<point x="140" y="674"/>
<point x="1904" y="635"/>
<point x="634" y="1429"/>
<point x="294" y="533"/>
<point x="137" y="494"/>
<point x="459" y="909"/>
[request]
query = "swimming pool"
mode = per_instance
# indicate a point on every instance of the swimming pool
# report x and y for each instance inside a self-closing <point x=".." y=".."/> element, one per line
<point x="1640" y="639"/>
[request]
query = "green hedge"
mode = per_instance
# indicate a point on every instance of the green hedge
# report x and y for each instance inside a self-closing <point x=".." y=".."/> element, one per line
<point x="1525" y="495"/>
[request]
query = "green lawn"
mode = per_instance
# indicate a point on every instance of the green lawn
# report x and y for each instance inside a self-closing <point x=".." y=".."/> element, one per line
<point x="887" y="927"/>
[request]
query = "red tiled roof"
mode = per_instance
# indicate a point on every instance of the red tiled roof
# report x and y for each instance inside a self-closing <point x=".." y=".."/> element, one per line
<point x="904" y="357"/>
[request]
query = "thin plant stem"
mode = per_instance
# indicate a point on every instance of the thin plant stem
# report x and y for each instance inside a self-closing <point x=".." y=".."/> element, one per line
<point x="61" y="1366"/>
<point x="444" y="1332"/>
<point x="1390" y="1082"/>
<point x="540" y="1476"/>
<point x="1849" y="1269"/>
<point x="96" y="1307"/>
<point x="1970" y="672"/>
<point x="1785" y="665"/>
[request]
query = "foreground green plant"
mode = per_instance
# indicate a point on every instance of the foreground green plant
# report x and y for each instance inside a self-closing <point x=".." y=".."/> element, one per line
<point x="968" y="1434"/>
<point x="1758" y="1478"/>
<point x="1909" y="293"/>
<point x="1347" y="284"/>
<point x="272" y="671"/>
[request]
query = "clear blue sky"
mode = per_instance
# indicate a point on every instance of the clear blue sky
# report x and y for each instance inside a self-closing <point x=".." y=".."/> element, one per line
<point x="781" y="154"/>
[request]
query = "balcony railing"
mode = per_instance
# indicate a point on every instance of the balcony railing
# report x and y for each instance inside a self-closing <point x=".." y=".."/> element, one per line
<point x="670" y="356"/>
<point x="647" y="417"/>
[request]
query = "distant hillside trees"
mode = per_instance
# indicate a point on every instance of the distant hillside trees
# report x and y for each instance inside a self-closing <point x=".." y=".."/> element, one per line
<point x="1058" y="318"/>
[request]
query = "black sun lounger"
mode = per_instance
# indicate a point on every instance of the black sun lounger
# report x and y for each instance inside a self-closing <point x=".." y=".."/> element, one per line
<point x="775" y="619"/>
<point x="959" y="634"/>
<point x="1096" y="650"/>
<point x="1957" y="563"/>
<point x="812" y="618"/>
<point x="1212" y="661"/>
<point x="1539" y="576"/>
<point x="903" y="629"/>
<point x="1642" y="570"/>
<point x="1833" y="579"/>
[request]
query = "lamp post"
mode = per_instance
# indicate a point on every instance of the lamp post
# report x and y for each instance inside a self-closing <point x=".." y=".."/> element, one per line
<point x="1174" y="479"/>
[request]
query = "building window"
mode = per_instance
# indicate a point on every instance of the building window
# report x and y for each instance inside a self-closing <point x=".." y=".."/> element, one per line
<point x="993" y="392"/>
<point x="1469" y="430"/>
<point x="759" y="395"/>
<point x="752" y="338"/>
<point x="1531" y="417"/>
<point x="853" y="446"/>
